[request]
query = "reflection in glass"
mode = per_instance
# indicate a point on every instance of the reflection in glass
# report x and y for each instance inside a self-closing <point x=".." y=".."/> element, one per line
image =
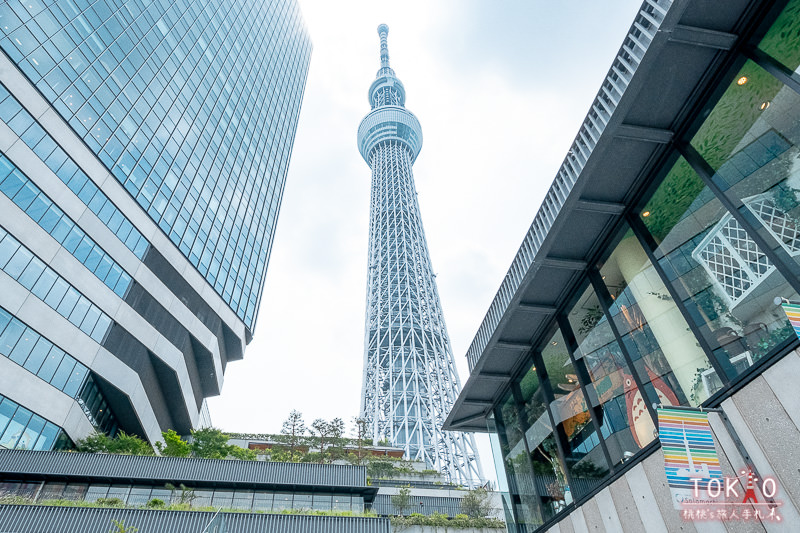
<point x="625" y="421"/>
<point x="583" y="453"/>
<point x="724" y="280"/>
<point x="499" y="467"/>
<point x="517" y="464"/>
<point x="782" y="41"/>
<point x="664" y="351"/>
<point x="550" y="479"/>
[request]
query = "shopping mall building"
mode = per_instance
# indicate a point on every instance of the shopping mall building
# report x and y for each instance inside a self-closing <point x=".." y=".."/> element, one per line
<point x="649" y="277"/>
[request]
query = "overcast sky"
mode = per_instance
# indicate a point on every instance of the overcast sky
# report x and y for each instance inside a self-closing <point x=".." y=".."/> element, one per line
<point x="500" y="88"/>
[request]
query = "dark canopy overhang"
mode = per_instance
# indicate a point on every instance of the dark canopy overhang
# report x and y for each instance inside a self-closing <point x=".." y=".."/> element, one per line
<point x="669" y="65"/>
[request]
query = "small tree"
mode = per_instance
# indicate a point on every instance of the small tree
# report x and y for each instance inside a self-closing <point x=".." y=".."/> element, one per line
<point x="173" y="445"/>
<point x="362" y="434"/>
<point x="210" y="443"/>
<point x="242" y="454"/>
<point x="294" y="430"/>
<point x="186" y="496"/>
<point x="477" y="503"/>
<point x="122" y="444"/>
<point x="336" y="435"/>
<point x="402" y="500"/>
<point x="322" y="430"/>
<point x="120" y="527"/>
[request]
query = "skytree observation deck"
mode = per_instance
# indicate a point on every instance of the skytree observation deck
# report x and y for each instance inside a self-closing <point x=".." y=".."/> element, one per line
<point x="410" y="380"/>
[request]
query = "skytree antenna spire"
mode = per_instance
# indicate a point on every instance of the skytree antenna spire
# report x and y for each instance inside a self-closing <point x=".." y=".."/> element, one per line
<point x="383" y="31"/>
<point x="410" y="381"/>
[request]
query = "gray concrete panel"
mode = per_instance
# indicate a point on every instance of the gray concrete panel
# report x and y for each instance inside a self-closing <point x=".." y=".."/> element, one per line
<point x="56" y="328"/>
<point x="724" y="445"/>
<point x="609" y="513"/>
<point x="594" y="521"/>
<point x="76" y="424"/>
<point x="52" y="122"/>
<point x="43" y="399"/>
<point x="625" y="506"/>
<point x="775" y="432"/>
<point x="21" y="226"/>
<point x="782" y="379"/>
<point x="48" y="249"/>
<point x="128" y="381"/>
<point x="29" y="163"/>
<point x="654" y="470"/>
<point x="645" y="500"/>
<point x="788" y="511"/>
<point x="7" y="137"/>
<point x="13" y="296"/>
<point x="578" y="521"/>
<point x="565" y="525"/>
<point x="18" y="84"/>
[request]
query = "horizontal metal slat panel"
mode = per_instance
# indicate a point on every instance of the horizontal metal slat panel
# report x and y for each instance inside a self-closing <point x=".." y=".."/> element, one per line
<point x="39" y="519"/>
<point x="185" y="470"/>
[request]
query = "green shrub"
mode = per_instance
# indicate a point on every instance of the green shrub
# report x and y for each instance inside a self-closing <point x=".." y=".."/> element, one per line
<point x="156" y="503"/>
<point x="109" y="502"/>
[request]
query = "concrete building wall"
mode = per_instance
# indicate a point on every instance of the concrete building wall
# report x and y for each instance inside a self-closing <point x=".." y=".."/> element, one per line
<point x="766" y="417"/>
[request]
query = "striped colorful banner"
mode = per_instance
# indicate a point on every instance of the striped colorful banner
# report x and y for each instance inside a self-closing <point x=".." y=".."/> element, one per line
<point x="793" y="314"/>
<point x="689" y="454"/>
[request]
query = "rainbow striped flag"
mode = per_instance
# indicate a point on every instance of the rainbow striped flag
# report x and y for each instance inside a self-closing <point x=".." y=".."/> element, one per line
<point x="793" y="314"/>
<point x="689" y="454"/>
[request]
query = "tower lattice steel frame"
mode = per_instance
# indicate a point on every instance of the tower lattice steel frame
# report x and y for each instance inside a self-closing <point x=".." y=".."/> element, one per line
<point x="410" y="380"/>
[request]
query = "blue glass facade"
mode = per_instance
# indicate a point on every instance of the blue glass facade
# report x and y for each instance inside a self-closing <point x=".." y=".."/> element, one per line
<point x="20" y="428"/>
<point x="193" y="107"/>
<point x="43" y="282"/>
<point x="28" y="197"/>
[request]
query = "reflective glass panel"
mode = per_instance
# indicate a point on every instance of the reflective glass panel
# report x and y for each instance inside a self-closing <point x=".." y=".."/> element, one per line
<point x="583" y="453"/>
<point x="522" y="485"/>
<point x="282" y="501"/>
<point x="721" y="276"/>
<point x="322" y="502"/>
<point x="664" y="350"/>
<point x="782" y="41"/>
<point x="15" y="428"/>
<point x="139" y="496"/>
<point x="262" y="501"/>
<point x="621" y="408"/>
<point x="242" y="499"/>
<point x="549" y="480"/>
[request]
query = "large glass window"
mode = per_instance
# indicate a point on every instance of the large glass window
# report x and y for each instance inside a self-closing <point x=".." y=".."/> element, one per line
<point x="499" y="467"/>
<point x="621" y="407"/>
<point x="782" y="41"/>
<point x="583" y="454"/>
<point x="552" y="489"/>
<point x="724" y="280"/>
<point x="517" y="462"/>
<point x="664" y="350"/>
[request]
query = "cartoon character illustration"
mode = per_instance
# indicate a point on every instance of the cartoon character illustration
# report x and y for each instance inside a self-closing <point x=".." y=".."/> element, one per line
<point x="641" y="424"/>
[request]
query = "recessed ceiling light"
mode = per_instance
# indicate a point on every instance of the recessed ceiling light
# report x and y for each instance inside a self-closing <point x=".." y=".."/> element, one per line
<point x="764" y="105"/>
<point x="742" y="80"/>
<point x="646" y="214"/>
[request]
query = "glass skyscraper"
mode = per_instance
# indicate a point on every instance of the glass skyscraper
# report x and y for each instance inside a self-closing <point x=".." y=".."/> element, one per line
<point x="144" y="146"/>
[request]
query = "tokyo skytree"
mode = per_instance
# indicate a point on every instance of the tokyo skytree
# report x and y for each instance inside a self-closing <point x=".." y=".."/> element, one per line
<point x="410" y="380"/>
